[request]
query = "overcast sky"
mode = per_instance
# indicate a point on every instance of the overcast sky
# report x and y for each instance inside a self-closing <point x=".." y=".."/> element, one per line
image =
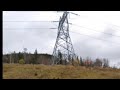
<point x="89" y="32"/>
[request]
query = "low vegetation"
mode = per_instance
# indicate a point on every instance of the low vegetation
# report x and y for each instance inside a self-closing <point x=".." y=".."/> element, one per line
<point x="21" y="61"/>
<point x="38" y="71"/>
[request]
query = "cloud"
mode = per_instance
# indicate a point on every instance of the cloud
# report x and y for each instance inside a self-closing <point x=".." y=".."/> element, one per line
<point x="94" y="48"/>
<point x="44" y="39"/>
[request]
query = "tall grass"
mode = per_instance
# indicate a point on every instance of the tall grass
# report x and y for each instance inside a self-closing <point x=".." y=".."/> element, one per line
<point x="29" y="71"/>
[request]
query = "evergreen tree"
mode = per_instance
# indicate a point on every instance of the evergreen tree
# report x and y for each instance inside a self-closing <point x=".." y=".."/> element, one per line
<point x="81" y="61"/>
<point x="78" y="60"/>
<point x="35" y="56"/>
<point x="20" y="56"/>
<point x="14" y="57"/>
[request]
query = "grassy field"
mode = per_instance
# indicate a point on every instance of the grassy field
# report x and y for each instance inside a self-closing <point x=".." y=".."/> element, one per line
<point x="17" y="71"/>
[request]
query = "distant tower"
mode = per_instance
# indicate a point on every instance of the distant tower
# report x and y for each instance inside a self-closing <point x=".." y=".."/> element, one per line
<point x="63" y="49"/>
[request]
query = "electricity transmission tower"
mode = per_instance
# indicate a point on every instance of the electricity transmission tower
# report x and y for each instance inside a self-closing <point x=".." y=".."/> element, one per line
<point x="63" y="49"/>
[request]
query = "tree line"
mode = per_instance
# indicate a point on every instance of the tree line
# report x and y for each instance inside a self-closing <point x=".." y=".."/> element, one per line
<point x="27" y="58"/>
<point x="103" y="62"/>
<point x="35" y="58"/>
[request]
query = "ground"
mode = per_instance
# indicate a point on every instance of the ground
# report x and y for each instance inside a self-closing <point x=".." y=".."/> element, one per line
<point x="29" y="71"/>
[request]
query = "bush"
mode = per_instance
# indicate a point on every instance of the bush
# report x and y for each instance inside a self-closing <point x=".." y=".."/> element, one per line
<point x="76" y="63"/>
<point x="21" y="61"/>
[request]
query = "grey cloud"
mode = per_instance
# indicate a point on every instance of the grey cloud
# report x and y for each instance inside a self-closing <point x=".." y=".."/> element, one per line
<point x="97" y="49"/>
<point x="44" y="40"/>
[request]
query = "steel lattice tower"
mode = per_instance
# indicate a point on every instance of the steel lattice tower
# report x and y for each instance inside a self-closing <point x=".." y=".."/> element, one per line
<point x="63" y="49"/>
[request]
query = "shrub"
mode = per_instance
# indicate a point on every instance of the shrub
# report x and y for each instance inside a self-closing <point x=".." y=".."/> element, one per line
<point x="21" y="61"/>
<point x="76" y="63"/>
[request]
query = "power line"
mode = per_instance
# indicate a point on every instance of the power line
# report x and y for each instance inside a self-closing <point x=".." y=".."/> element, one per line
<point x="56" y="28"/>
<point x="26" y="21"/>
<point x="99" y="19"/>
<point x="105" y="23"/>
<point x="58" y="21"/>
<point x="94" y="37"/>
<point x="46" y="28"/>
<point x="90" y="29"/>
<point x="95" y="30"/>
<point x="29" y="28"/>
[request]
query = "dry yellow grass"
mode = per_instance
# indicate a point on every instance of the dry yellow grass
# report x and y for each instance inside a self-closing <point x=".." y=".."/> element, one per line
<point x="27" y="71"/>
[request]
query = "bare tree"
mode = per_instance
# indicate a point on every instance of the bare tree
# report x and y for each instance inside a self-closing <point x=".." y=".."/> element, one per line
<point x="105" y="63"/>
<point x="98" y="62"/>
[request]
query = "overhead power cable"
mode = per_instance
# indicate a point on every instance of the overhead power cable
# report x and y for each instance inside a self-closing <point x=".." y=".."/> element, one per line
<point x="96" y="38"/>
<point x="95" y="30"/>
<point x="29" y="28"/>
<point x="26" y="21"/>
<point x="93" y="37"/>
